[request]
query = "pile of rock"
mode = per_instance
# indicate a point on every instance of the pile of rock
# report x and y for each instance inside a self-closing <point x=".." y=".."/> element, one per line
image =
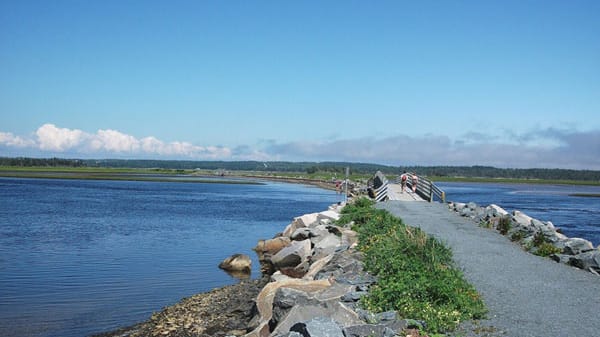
<point x="317" y="279"/>
<point x="529" y="232"/>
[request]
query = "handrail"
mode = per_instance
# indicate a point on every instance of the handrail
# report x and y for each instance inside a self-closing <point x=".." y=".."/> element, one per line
<point x="381" y="192"/>
<point x="426" y="189"/>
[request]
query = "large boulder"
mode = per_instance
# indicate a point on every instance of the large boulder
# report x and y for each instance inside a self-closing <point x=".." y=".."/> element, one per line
<point x="328" y="215"/>
<point x="272" y="246"/>
<point x="318" y="327"/>
<point x="588" y="261"/>
<point x="292" y="255"/>
<point x="300" y="222"/>
<point x="327" y="245"/>
<point x="237" y="262"/>
<point x="574" y="246"/>
<point x="497" y="211"/>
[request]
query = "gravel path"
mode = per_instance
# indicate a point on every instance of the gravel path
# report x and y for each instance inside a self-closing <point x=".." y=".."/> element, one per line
<point x="526" y="295"/>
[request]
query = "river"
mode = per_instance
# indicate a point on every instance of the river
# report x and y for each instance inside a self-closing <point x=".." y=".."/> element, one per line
<point x="576" y="216"/>
<point x="79" y="257"/>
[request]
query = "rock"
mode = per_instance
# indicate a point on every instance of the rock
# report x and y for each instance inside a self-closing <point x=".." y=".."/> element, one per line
<point x="272" y="246"/>
<point x="459" y="206"/>
<point x="472" y="206"/>
<point x="326" y="246"/>
<point x="561" y="258"/>
<point x="303" y="234"/>
<point x="300" y="222"/>
<point x="292" y="255"/>
<point x="306" y="220"/>
<point x="367" y="330"/>
<point x="574" y="246"/>
<point x="379" y="180"/>
<point x="588" y="261"/>
<point x="521" y="219"/>
<point x="264" y="300"/>
<point x="237" y="262"/>
<point x="317" y="266"/>
<point x="285" y="299"/>
<point x="318" y="327"/>
<point x="328" y="215"/>
<point x="497" y="211"/>
<point x="349" y="238"/>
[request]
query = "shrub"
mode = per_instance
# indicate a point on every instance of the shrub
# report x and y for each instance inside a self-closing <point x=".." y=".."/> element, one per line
<point x="504" y="225"/>
<point x="546" y="249"/>
<point x="415" y="272"/>
<point x="538" y="239"/>
<point x="517" y="236"/>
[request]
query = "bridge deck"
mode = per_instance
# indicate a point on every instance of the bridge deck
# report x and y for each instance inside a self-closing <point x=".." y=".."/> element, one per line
<point x="395" y="193"/>
<point x="526" y="295"/>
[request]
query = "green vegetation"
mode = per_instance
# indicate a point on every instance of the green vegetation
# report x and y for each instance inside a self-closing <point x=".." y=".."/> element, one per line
<point x="542" y="246"/>
<point x="504" y="225"/>
<point x="415" y="272"/>
<point x="333" y="169"/>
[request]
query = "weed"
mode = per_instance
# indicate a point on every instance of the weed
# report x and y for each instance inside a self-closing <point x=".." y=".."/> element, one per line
<point x="517" y="236"/>
<point x="547" y="249"/>
<point x="504" y="225"/>
<point x="416" y="274"/>
<point x="538" y="239"/>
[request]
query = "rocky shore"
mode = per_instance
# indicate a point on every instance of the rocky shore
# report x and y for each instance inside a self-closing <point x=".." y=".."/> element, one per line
<point x="538" y="237"/>
<point x="313" y="278"/>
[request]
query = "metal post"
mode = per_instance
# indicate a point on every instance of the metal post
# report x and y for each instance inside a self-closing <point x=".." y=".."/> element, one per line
<point x="346" y="185"/>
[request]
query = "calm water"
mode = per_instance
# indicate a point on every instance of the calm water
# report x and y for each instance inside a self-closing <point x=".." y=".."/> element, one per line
<point x="83" y="257"/>
<point x="576" y="216"/>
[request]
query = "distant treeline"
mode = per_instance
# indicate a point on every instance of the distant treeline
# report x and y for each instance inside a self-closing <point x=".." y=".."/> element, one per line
<point x="313" y="167"/>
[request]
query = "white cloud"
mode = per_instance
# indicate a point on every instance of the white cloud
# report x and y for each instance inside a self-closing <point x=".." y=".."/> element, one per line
<point x="547" y="148"/>
<point x="10" y="140"/>
<point x="114" y="141"/>
<point x="57" y="139"/>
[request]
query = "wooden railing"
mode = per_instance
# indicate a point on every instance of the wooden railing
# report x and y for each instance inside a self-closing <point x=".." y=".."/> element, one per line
<point x="426" y="189"/>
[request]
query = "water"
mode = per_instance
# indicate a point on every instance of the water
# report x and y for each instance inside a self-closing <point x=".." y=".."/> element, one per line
<point x="82" y="257"/>
<point x="575" y="216"/>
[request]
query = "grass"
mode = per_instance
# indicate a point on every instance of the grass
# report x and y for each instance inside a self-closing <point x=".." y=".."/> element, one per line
<point x="103" y="173"/>
<point x="415" y="272"/>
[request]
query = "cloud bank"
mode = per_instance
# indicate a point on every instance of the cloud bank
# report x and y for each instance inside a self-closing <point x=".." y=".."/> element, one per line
<point x="547" y="148"/>
<point x="54" y="140"/>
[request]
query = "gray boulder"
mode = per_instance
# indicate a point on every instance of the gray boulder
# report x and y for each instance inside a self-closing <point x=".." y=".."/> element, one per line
<point x="318" y="327"/>
<point x="292" y="255"/>
<point x="589" y="261"/>
<point x="326" y="246"/>
<point x="574" y="246"/>
<point x="368" y="330"/>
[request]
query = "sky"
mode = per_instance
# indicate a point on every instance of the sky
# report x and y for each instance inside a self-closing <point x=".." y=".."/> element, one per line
<point x="501" y="83"/>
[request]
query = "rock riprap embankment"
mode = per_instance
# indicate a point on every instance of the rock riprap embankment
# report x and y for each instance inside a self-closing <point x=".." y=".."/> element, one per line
<point x="317" y="280"/>
<point x="538" y="237"/>
<point x="312" y="281"/>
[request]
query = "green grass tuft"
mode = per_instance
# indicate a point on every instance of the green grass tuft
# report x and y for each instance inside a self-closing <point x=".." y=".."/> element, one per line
<point x="416" y="274"/>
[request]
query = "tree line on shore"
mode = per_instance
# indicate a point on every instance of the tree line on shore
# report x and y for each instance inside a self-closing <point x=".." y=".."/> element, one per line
<point x="312" y="167"/>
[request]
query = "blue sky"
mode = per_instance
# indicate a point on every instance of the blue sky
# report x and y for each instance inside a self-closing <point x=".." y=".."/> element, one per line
<point x="502" y="83"/>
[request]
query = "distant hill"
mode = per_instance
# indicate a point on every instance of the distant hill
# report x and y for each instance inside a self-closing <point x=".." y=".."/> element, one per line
<point x="311" y="167"/>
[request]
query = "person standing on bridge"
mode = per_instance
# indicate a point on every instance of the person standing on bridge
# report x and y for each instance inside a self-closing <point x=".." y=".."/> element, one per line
<point x="415" y="181"/>
<point x="403" y="179"/>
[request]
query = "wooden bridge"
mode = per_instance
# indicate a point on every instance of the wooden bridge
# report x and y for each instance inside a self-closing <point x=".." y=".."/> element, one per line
<point x="426" y="190"/>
